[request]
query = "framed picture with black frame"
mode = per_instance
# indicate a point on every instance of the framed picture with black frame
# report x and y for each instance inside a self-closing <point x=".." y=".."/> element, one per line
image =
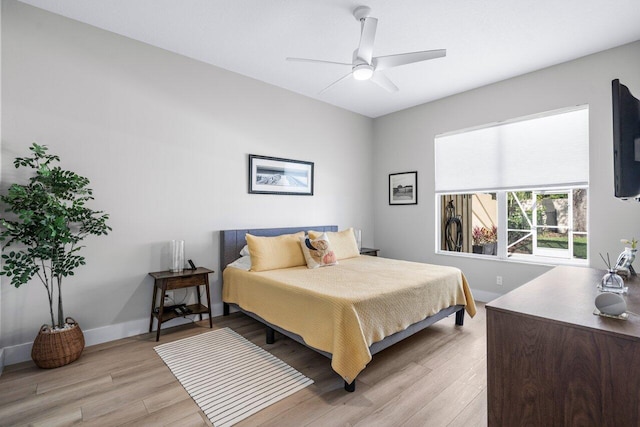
<point x="274" y="175"/>
<point x="403" y="188"/>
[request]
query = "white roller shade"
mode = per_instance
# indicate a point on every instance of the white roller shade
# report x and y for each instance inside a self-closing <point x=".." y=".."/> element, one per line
<point x="540" y="152"/>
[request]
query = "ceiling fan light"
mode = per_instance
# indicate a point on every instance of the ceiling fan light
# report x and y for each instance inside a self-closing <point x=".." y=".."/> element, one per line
<point x="362" y="72"/>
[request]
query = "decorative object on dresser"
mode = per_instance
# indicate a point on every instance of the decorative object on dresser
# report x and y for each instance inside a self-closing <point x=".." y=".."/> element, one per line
<point x="623" y="265"/>
<point x="274" y="175"/>
<point x="610" y="304"/>
<point x="49" y="220"/>
<point x="611" y="281"/>
<point x="229" y="377"/>
<point x="167" y="280"/>
<point x="550" y="361"/>
<point x="403" y="188"/>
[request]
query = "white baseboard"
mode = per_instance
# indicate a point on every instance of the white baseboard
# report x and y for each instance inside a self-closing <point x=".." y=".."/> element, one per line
<point x="484" y="296"/>
<point x="17" y="353"/>
<point x="1" y="360"/>
<point x="22" y="352"/>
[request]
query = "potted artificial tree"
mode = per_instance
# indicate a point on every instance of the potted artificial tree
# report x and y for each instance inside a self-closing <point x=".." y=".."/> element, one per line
<point x="47" y="220"/>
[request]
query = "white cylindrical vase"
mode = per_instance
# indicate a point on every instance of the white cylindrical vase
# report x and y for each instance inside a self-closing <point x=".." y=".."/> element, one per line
<point x="177" y="256"/>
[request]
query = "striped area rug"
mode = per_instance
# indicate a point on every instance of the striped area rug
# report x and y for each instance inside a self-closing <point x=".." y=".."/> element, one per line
<point x="229" y="377"/>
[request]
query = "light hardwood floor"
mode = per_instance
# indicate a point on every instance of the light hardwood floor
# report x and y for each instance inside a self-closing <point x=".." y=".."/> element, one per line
<point x="436" y="378"/>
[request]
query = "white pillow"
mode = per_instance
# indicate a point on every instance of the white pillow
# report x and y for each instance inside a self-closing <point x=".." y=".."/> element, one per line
<point x="242" y="263"/>
<point x="244" y="251"/>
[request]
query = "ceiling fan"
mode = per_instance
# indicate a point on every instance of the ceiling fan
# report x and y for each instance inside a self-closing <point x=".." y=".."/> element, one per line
<point x="367" y="67"/>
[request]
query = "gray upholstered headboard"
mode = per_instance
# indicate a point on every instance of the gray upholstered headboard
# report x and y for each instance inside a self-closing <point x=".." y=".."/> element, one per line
<point x="232" y="241"/>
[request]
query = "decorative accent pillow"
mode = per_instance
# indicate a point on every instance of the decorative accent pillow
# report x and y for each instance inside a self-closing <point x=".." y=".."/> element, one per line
<point x="343" y="242"/>
<point x="270" y="253"/>
<point x="318" y="252"/>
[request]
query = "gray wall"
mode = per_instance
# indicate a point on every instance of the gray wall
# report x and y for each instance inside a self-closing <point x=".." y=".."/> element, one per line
<point x="404" y="142"/>
<point x="164" y="140"/>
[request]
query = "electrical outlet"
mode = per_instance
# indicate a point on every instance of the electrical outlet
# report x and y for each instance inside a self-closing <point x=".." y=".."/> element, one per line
<point x="499" y="280"/>
<point x="168" y="298"/>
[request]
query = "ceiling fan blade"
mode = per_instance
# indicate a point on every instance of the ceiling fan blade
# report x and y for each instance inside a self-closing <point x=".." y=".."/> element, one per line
<point x="334" y="83"/>
<point x="384" y="62"/>
<point x="383" y="81"/>
<point x="318" y="61"/>
<point x="367" y="37"/>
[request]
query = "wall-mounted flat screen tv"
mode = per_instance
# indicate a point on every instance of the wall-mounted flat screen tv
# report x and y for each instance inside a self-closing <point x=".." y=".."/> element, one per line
<point x="626" y="142"/>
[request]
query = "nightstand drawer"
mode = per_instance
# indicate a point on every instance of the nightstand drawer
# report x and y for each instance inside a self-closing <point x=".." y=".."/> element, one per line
<point x="185" y="282"/>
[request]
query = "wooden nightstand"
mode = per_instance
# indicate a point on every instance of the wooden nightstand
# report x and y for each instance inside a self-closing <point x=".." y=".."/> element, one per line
<point x="166" y="281"/>
<point x="369" y="251"/>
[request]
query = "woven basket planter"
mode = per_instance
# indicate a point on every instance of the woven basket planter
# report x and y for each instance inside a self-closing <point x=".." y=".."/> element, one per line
<point x="52" y="349"/>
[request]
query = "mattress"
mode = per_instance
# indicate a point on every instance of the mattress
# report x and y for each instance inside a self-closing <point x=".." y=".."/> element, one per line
<point x="343" y="309"/>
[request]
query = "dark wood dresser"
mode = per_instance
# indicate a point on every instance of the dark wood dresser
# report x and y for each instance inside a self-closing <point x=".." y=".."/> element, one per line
<point x="552" y="362"/>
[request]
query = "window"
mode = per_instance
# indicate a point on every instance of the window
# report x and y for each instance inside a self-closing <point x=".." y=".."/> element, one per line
<point x="469" y="223"/>
<point x="517" y="190"/>
<point x="547" y="223"/>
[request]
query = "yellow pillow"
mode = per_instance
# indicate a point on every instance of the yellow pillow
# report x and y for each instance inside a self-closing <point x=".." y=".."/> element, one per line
<point x="270" y="253"/>
<point x="343" y="242"/>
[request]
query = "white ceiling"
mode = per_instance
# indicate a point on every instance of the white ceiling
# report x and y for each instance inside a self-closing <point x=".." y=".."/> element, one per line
<point x="486" y="41"/>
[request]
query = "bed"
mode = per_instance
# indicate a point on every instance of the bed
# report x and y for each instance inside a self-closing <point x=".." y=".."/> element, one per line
<point x="347" y="312"/>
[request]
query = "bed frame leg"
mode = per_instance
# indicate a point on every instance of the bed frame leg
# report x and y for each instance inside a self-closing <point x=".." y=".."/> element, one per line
<point x="225" y="309"/>
<point x="271" y="336"/>
<point x="350" y="387"/>
<point x="460" y="317"/>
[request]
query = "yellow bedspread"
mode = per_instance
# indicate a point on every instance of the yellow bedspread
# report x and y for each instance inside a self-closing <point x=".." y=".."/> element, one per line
<point x="345" y="308"/>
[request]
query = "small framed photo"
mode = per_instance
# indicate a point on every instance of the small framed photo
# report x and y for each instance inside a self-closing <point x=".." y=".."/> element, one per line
<point x="403" y="188"/>
<point x="273" y="175"/>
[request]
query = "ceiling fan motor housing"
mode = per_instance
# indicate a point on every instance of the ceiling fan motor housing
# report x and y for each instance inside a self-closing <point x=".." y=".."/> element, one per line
<point x="362" y="71"/>
<point x="362" y="12"/>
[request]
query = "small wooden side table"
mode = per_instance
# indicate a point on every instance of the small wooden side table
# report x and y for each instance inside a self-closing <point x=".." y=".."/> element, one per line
<point x="369" y="251"/>
<point x="166" y="281"/>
